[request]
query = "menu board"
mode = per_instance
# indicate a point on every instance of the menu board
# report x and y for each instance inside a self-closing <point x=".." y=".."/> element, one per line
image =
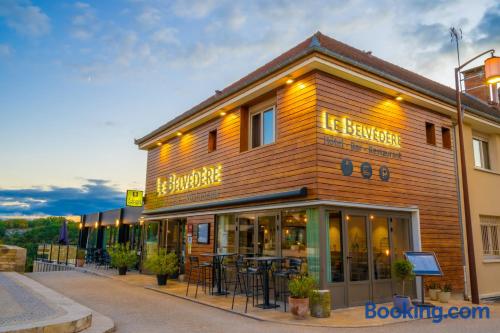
<point x="203" y="233"/>
<point x="424" y="263"/>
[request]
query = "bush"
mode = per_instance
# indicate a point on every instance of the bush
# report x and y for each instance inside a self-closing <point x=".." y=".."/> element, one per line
<point x="162" y="263"/>
<point x="447" y="288"/>
<point x="121" y="256"/>
<point x="301" y="286"/>
<point x="403" y="271"/>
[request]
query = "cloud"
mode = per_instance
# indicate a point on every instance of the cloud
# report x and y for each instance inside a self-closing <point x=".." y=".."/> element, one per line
<point x="85" y="23"/>
<point x="149" y="17"/>
<point x="488" y="30"/>
<point x="165" y="36"/>
<point x="24" y="18"/>
<point x="194" y="8"/>
<point x="96" y="195"/>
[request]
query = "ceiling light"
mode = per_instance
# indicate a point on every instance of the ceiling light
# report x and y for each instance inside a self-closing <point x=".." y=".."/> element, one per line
<point x="222" y="113"/>
<point x="399" y="98"/>
<point x="289" y="81"/>
<point x="179" y="133"/>
<point x="158" y="144"/>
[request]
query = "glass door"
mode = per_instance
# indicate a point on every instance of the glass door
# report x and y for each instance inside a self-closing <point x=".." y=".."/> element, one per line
<point x="266" y="242"/>
<point x="246" y="231"/>
<point x="381" y="258"/>
<point x="358" y="268"/>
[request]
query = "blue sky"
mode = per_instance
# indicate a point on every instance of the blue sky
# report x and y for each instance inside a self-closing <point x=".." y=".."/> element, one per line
<point x="79" y="80"/>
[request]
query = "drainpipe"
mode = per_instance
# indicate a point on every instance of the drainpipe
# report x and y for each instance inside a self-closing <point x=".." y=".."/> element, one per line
<point x="460" y="216"/>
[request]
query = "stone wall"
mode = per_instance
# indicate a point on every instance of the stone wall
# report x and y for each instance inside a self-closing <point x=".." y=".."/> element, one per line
<point x="12" y="258"/>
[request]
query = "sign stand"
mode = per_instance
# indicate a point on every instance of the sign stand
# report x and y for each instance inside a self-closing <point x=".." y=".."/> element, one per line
<point x="424" y="264"/>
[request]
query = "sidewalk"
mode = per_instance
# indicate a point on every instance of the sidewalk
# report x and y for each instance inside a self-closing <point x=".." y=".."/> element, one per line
<point x="341" y="318"/>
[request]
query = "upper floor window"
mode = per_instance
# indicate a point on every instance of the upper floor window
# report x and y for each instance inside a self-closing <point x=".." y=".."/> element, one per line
<point x="212" y="141"/>
<point x="446" y="137"/>
<point x="430" y="133"/>
<point x="490" y="229"/>
<point x="481" y="153"/>
<point x="263" y="127"/>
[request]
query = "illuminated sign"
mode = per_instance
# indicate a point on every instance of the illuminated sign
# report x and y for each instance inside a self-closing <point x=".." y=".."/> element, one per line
<point x="197" y="179"/>
<point x="134" y="198"/>
<point x="349" y="127"/>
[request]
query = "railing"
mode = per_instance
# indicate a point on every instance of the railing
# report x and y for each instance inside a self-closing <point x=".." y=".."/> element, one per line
<point x="57" y="253"/>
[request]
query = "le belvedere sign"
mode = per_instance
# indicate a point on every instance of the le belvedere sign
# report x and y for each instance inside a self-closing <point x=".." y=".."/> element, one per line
<point x="348" y="127"/>
<point x="206" y="176"/>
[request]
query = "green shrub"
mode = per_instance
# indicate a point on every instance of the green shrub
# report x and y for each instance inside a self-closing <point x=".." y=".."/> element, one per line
<point x="162" y="263"/>
<point x="403" y="271"/>
<point x="301" y="286"/>
<point x="447" y="288"/>
<point x="433" y="285"/>
<point x="121" y="256"/>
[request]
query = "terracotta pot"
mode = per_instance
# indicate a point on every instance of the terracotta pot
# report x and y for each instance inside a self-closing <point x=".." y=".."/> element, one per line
<point x="444" y="296"/>
<point x="299" y="307"/>
<point x="122" y="270"/>
<point x="80" y="262"/>
<point x="434" y="294"/>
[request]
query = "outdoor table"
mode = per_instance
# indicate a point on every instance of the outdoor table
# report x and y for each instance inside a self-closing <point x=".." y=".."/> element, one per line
<point x="218" y="258"/>
<point x="265" y="263"/>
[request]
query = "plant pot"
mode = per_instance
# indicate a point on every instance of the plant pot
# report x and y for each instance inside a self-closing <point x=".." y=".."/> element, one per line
<point x="162" y="279"/>
<point x="299" y="307"/>
<point x="80" y="262"/>
<point x="401" y="303"/>
<point x="444" y="296"/>
<point x="181" y="277"/>
<point x="122" y="270"/>
<point x="434" y="294"/>
<point x="319" y="303"/>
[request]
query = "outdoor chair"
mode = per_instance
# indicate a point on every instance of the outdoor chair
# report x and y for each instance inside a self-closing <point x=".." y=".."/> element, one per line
<point x="281" y="277"/>
<point x="201" y="270"/>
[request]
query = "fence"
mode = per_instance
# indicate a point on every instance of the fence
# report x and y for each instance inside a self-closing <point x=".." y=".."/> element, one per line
<point x="56" y="253"/>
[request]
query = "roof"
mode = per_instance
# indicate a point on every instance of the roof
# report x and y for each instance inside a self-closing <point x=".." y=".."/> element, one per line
<point x="352" y="56"/>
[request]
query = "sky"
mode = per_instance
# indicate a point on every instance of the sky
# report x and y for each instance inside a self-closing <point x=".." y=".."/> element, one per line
<point x="79" y="80"/>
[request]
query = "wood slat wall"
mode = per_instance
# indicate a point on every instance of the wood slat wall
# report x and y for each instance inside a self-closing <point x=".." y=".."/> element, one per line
<point x="197" y="249"/>
<point x="424" y="176"/>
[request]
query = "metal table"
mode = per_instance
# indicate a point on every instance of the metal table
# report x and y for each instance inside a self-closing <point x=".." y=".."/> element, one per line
<point x="265" y="263"/>
<point x="217" y="259"/>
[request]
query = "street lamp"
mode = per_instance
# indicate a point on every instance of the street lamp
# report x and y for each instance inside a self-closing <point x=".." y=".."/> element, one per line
<point x="492" y="74"/>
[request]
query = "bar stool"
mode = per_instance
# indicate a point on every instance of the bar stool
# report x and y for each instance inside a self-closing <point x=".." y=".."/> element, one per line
<point x="247" y="279"/>
<point x="201" y="271"/>
<point x="282" y="276"/>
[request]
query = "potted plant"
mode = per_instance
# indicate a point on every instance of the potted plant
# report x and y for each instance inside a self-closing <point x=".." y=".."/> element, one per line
<point x="300" y="287"/>
<point x="445" y="294"/>
<point x="80" y="257"/>
<point x="162" y="264"/>
<point x="122" y="258"/>
<point x="319" y="303"/>
<point x="403" y="271"/>
<point x="434" y="290"/>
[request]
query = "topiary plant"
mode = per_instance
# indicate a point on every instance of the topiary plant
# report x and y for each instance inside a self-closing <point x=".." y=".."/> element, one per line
<point x="403" y="271"/>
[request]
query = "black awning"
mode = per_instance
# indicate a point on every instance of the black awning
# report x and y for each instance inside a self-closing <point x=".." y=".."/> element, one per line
<point x="300" y="192"/>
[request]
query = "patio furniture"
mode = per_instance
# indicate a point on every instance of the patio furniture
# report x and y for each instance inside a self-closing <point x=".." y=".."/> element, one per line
<point x="217" y="259"/>
<point x="264" y="265"/>
<point x="201" y="273"/>
<point x="247" y="279"/>
<point x="282" y="276"/>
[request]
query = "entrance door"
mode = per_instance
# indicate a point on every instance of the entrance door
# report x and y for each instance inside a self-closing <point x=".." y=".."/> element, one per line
<point x="246" y="232"/>
<point x="358" y="268"/>
<point x="175" y="240"/>
<point x="381" y="258"/>
<point x="267" y="240"/>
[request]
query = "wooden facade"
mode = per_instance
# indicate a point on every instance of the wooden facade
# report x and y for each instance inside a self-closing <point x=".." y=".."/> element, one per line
<point x="422" y="176"/>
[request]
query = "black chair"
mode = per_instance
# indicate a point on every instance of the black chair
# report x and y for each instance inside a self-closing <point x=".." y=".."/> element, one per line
<point x="201" y="274"/>
<point x="249" y="281"/>
<point x="281" y="277"/>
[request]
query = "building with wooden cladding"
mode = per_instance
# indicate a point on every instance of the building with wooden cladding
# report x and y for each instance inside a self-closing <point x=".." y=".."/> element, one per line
<point x="326" y="153"/>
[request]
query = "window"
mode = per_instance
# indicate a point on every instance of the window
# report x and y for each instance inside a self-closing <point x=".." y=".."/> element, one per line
<point x="481" y="153"/>
<point x="226" y="233"/>
<point x="446" y="136"/>
<point x="263" y="127"/>
<point x="212" y="141"/>
<point x="293" y="234"/>
<point x="490" y="228"/>
<point x="430" y="133"/>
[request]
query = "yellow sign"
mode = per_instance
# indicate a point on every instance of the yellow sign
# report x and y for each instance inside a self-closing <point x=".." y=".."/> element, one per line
<point x="134" y="198"/>
<point x="197" y="179"/>
<point x="349" y="127"/>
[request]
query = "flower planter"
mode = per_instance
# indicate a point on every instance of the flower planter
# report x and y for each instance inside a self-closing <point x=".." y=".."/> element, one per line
<point x="444" y="296"/>
<point x="161" y="279"/>
<point x="299" y="307"/>
<point x="122" y="270"/>
<point x="434" y="294"/>
<point x="401" y="302"/>
<point x="319" y="303"/>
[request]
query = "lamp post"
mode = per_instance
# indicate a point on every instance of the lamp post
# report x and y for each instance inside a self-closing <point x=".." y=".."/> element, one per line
<point x="465" y="187"/>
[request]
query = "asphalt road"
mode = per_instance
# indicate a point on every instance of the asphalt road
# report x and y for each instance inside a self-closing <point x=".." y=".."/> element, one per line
<point x="135" y="309"/>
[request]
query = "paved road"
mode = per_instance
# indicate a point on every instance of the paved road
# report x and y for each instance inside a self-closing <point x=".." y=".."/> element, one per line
<point x="135" y="309"/>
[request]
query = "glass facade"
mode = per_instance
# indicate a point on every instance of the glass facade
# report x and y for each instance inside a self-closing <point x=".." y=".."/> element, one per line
<point x="226" y="233"/>
<point x="293" y="234"/>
